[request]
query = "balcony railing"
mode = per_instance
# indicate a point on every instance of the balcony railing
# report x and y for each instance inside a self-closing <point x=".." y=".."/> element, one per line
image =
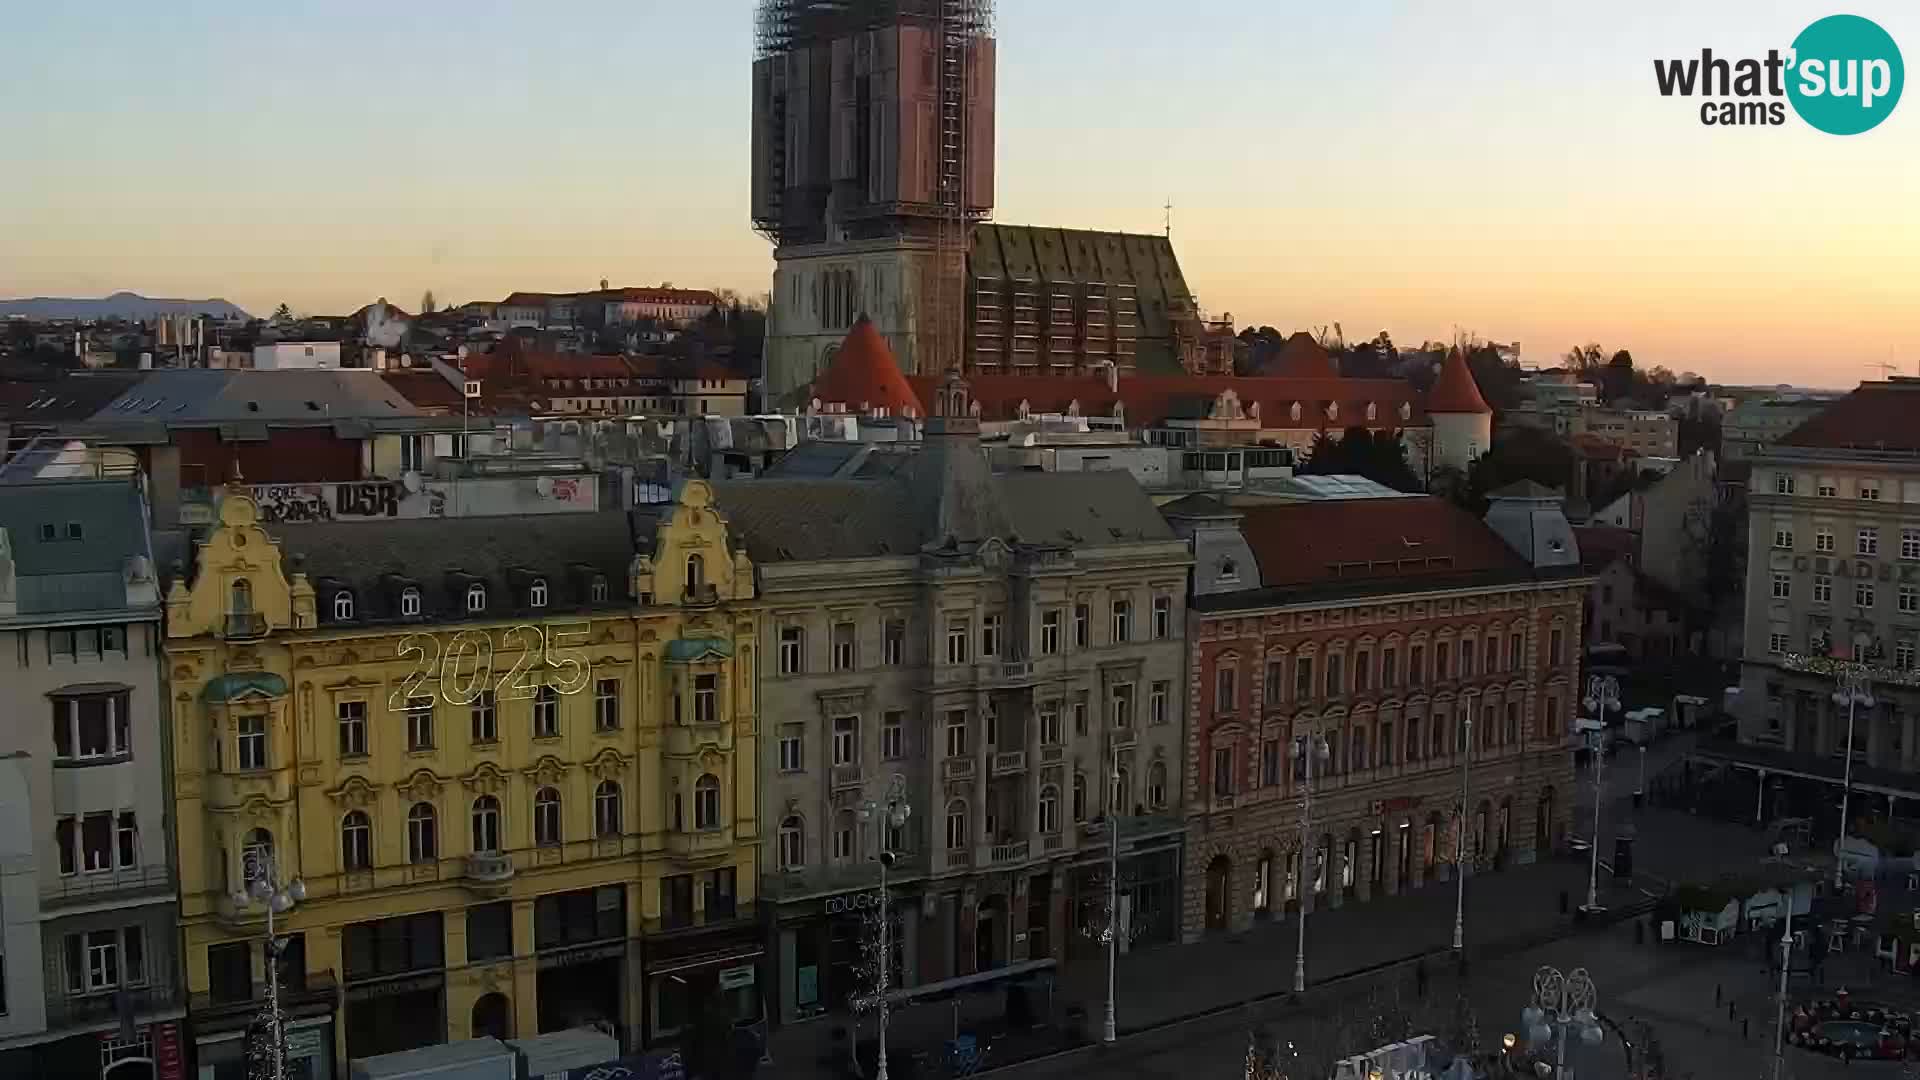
<point x="700" y="595"/>
<point x="846" y="776"/>
<point x="86" y="888"/>
<point x="245" y="625"/>
<point x="1014" y="851"/>
<point x="1009" y="762"/>
<point x="1052" y="755"/>
<point x="489" y="869"/>
<point x="957" y="768"/>
<point x="95" y="1008"/>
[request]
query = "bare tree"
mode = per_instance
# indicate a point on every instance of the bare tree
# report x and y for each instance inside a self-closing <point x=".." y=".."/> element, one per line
<point x="426" y="303"/>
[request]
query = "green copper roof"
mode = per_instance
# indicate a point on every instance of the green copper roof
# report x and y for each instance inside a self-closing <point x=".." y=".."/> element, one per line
<point x="227" y="689"/>
<point x="687" y="650"/>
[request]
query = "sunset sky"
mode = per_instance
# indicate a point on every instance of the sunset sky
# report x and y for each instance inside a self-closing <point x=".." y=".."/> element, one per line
<point x="1509" y="170"/>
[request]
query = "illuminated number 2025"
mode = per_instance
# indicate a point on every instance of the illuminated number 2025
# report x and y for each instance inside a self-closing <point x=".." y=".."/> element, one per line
<point x="549" y="655"/>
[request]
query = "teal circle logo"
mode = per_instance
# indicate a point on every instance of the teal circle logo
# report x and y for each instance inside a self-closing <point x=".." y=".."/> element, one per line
<point x="1846" y="75"/>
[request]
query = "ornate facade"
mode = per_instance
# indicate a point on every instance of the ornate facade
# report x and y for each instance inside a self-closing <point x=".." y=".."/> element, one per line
<point x="509" y="760"/>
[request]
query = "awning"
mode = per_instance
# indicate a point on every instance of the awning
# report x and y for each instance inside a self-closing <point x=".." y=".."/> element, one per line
<point x="983" y="980"/>
<point x="226" y="689"/>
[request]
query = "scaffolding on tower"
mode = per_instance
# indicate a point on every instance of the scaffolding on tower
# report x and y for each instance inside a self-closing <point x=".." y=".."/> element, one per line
<point x="963" y="24"/>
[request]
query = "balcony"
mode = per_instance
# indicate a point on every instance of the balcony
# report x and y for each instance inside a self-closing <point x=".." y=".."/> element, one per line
<point x="226" y="790"/>
<point x="110" y="885"/>
<point x="63" y="1012"/>
<point x="846" y="776"/>
<point x="245" y="626"/>
<point x="690" y="740"/>
<point x="1007" y="673"/>
<point x="700" y="844"/>
<point x="489" y="874"/>
<point x="1125" y="737"/>
<point x="1052" y="755"/>
<point x="957" y="768"/>
<point x="1009" y="762"/>
<point x="958" y="860"/>
<point x="1001" y="854"/>
<point x="700" y="595"/>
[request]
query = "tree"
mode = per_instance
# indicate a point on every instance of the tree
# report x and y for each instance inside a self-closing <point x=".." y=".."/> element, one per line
<point x="1380" y="456"/>
<point x="283" y="313"/>
<point x="426" y="303"/>
<point x="1523" y="453"/>
<point x="1587" y="358"/>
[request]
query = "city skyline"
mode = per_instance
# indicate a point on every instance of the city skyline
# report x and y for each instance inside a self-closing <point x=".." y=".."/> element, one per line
<point x="1514" y="174"/>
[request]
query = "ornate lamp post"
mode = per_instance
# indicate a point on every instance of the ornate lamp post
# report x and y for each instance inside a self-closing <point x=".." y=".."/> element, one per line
<point x="1853" y="687"/>
<point x="261" y="889"/>
<point x="1460" y="841"/>
<point x="1316" y="753"/>
<point x="892" y="811"/>
<point x="1603" y="693"/>
<point x="1561" y="1002"/>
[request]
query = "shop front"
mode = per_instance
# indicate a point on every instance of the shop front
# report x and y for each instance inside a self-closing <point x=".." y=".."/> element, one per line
<point x="701" y="976"/>
<point x="580" y="945"/>
<point x="820" y="948"/>
<point x="1149" y="893"/>
<point x="135" y="1051"/>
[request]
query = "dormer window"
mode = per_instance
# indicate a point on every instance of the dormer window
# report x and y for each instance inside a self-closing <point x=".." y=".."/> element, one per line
<point x="476" y="598"/>
<point x="1373" y="411"/>
<point x="696" y="571"/>
<point x="598" y="590"/>
<point x="537" y="593"/>
<point x="342" y="606"/>
<point x="410" y="602"/>
<point x="1229" y="570"/>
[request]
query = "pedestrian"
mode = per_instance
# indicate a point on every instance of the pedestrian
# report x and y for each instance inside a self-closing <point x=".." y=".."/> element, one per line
<point x="1420" y="978"/>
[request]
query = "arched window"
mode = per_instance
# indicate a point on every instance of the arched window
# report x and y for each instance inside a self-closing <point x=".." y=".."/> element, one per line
<point x="342" y="605"/>
<point x="241" y="602"/>
<point x="256" y="855"/>
<point x="410" y="601"/>
<point x="1079" y="797"/>
<point x="476" y="597"/>
<point x="546" y="816"/>
<point x="486" y="825"/>
<point x="792" y="850"/>
<point x="356" y="841"/>
<point x="423" y="837"/>
<point x="1049" y="809"/>
<point x="1157" y="785"/>
<point x="706" y="802"/>
<point x="606" y="809"/>
<point x="537" y="593"/>
<point x="957" y="823"/>
<point x="696" y="572"/>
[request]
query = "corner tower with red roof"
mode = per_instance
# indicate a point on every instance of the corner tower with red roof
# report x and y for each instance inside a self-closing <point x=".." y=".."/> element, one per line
<point x="1462" y="420"/>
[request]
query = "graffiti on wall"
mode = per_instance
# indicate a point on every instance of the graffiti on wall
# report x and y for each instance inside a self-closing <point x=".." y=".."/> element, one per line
<point x="296" y="503"/>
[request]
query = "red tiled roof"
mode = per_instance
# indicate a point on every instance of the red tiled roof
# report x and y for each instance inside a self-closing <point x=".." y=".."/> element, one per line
<point x="1370" y="539"/>
<point x="661" y="296"/>
<point x="533" y="299"/>
<point x="1300" y="357"/>
<point x="1875" y="416"/>
<point x="1600" y="545"/>
<point x="1150" y="399"/>
<point x="864" y="376"/>
<point x="1598" y="447"/>
<point x="1455" y="391"/>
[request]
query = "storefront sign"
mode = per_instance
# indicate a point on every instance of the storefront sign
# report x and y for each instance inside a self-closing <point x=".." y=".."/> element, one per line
<point x="734" y="978"/>
<point x="394" y="988"/>
<point x="1394" y="806"/>
<point x="168" y="1064"/>
<point x="860" y="901"/>
<point x="303" y="1042"/>
<point x="581" y="954"/>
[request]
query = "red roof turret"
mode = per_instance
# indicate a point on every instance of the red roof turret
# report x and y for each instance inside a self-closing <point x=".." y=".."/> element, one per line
<point x="1455" y="391"/>
<point x="864" y="377"/>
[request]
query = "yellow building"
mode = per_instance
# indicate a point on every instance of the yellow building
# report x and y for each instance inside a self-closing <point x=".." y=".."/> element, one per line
<point x="510" y="760"/>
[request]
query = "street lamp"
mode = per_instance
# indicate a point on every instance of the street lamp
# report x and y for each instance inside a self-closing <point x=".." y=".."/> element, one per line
<point x="1561" y="1002"/>
<point x="1853" y="687"/>
<point x="260" y="889"/>
<point x="1460" y="841"/>
<point x="1316" y="752"/>
<point x="1780" y="1015"/>
<point x="893" y="812"/>
<point x="1603" y="693"/>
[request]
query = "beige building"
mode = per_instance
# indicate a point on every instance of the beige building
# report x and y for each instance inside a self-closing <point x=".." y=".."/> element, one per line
<point x="986" y="645"/>
<point x="1645" y="432"/>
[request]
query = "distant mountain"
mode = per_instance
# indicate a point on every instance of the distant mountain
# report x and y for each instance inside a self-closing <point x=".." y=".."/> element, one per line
<point x="121" y="305"/>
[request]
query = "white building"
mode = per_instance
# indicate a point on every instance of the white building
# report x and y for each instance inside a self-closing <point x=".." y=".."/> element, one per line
<point x="293" y="355"/>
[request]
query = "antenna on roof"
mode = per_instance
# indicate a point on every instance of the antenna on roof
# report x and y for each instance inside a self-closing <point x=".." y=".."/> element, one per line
<point x="1168" y="222"/>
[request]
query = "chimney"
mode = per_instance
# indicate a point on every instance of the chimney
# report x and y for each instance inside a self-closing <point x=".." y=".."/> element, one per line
<point x="1112" y="371"/>
<point x="146" y="361"/>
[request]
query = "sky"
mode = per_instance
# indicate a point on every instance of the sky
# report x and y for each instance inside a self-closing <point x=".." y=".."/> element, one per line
<point x="1505" y="169"/>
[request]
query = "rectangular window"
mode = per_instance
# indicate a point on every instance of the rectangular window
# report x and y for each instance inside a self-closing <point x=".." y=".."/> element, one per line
<point x="1782" y="586"/>
<point x="250" y="750"/>
<point x="1157" y="702"/>
<point x="1388" y="675"/>
<point x="1552" y="729"/>
<point x="1082" y="625"/>
<point x="92" y="726"/>
<point x="1122" y="628"/>
<point x="893" y="642"/>
<point x="1386" y="742"/>
<point x="1362" y="670"/>
<point x="1776" y="643"/>
<point x="893" y="735"/>
<point x="1080" y="714"/>
<point x="606" y="704"/>
<point x="489" y="932"/>
<point x="1823" y="540"/>
<point x="1903" y="656"/>
<point x="1223" y="771"/>
<point x="1162" y="618"/>
<point x="1783" y="483"/>
<point x="1223" y="689"/>
<point x="1270" y="763"/>
<point x="1466" y="658"/>
<point x="1122" y="702"/>
<point x="96" y="843"/>
<point x="1909" y="599"/>
<point x="1336" y="682"/>
<point x="419" y="724"/>
<point x="1870" y="490"/>
<point x="1303" y="678"/>
<point x="485" y="730"/>
<point x="1826" y="489"/>
<point x="1442" y="661"/>
<point x="1862" y="594"/>
<point x="846" y="740"/>
<point x="793" y="647"/>
<point x="353" y="728"/>
<point x="546" y="712"/>
<point x="1416" y="665"/>
<point x="1867" y="542"/>
<point x="1050" y="733"/>
<point x="1910" y="543"/>
<point x="957" y="634"/>
<point x="1822" y="588"/>
<point x="990" y="637"/>
<point x="1050" y="632"/>
<point x="1783" y="538"/>
<point x="1516" y="652"/>
<point x="1556" y="647"/>
<point x="956" y="733"/>
<point x="790" y="743"/>
<point x="706" y="699"/>
<point x="845" y="646"/>
<point x="127" y="841"/>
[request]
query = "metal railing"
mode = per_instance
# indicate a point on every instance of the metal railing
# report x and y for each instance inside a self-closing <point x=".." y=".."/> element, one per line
<point x="83" y="888"/>
<point x="106" y="1005"/>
